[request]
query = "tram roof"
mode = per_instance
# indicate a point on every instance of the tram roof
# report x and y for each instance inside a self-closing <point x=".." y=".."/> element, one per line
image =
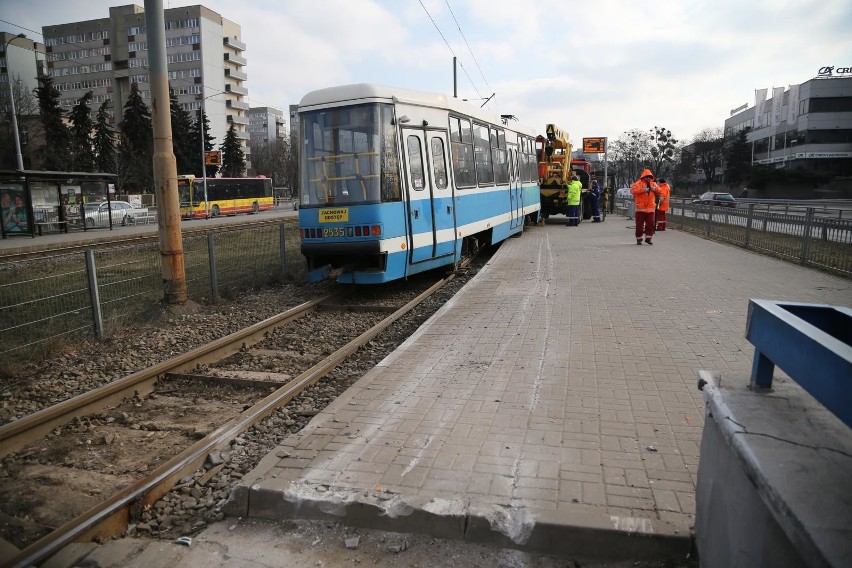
<point x="370" y="92"/>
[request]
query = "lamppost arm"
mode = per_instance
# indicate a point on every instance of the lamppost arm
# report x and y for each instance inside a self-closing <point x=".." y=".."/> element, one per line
<point x="18" y="156"/>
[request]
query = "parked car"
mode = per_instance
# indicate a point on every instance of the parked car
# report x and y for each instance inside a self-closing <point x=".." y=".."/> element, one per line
<point x="716" y="198"/>
<point x="98" y="214"/>
<point x="623" y="193"/>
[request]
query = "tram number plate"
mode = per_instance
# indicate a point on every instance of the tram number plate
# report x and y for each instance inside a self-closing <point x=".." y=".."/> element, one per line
<point x="333" y="232"/>
<point x="338" y="215"/>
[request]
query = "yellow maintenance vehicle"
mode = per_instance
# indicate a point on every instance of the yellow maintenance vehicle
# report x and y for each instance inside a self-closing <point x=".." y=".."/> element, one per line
<point x="555" y="169"/>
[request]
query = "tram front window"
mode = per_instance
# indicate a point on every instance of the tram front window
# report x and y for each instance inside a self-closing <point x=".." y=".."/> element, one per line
<point x="348" y="156"/>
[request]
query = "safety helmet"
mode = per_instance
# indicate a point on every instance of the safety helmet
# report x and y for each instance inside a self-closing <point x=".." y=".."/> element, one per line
<point x="575" y="178"/>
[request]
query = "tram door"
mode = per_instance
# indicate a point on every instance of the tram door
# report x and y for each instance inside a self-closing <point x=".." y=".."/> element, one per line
<point x="516" y="201"/>
<point x="431" y="208"/>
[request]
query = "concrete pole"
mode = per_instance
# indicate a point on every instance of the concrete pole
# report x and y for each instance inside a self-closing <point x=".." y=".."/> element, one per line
<point x="165" y="166"/>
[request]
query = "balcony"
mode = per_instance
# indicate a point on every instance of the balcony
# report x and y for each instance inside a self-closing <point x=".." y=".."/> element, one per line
<point x="237" y="119"/>
<point x="236" y="104"/>
<point x="234" y="43"/>
<point x="236" y="89"/>
<point x="234" y="74"/>
<point x="235" y="59"/>
<point x="242" y="135"/>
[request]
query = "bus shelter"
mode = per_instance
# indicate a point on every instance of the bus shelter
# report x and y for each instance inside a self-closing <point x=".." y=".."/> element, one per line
<point x="35" y="202"/>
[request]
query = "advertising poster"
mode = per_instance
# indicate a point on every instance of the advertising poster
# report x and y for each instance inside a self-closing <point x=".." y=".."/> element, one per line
<point x="13" y="209"/>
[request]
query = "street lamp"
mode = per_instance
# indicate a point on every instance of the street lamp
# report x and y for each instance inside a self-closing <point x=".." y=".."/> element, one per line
<point x="203" y="151"/>
<point x="18" y="156"/>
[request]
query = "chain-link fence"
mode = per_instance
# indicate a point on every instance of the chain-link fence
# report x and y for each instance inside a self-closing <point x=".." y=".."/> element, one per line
<point x="813" y="236"/>
<point x="61" y="297"/>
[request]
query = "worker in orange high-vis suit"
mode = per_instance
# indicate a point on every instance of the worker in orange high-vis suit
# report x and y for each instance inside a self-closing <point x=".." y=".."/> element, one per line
<point x="662" y="205"/>
<point x="645" y="191"/>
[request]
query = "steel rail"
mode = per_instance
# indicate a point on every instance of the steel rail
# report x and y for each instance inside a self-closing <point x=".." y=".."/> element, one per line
<point x="111" y="517"/>
<point x="15" y="435"/>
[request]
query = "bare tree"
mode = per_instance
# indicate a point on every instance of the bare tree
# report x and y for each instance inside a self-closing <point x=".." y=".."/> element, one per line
<point x="663" y="150"/>
<point x="708" y="150"/>
<point x="29" y="127"/>
<point x="629" y="155"/>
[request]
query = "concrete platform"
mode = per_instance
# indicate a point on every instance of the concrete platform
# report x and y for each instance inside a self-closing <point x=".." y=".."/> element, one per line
<point x="550" y="406"/>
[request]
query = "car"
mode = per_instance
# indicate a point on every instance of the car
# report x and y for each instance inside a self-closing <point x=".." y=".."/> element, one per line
<point x="97" y="214"/>
<point x="716" y="198"/>
<point x="623" y="193"/>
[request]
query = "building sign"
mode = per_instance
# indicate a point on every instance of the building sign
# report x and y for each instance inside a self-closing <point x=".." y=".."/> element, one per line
<point x="805" y="156"/>
<point x="832" y="71"/>
<point x="824" y="155"/>
<point x="738" y="109"/>
<point x="594" y="145"/>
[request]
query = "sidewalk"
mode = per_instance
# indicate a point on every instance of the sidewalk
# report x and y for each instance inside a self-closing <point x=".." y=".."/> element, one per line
<point x="550" y="406"/>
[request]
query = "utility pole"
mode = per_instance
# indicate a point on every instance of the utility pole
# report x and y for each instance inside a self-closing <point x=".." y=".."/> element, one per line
<point x="165" y="166"/>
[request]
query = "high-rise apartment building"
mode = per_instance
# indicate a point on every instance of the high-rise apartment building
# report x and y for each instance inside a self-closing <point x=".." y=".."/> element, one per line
<point x="266" y="124"/>
<point x="204" y="52"/>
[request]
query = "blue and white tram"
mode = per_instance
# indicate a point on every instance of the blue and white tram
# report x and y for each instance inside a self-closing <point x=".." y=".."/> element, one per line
<point x="396" y="182"/>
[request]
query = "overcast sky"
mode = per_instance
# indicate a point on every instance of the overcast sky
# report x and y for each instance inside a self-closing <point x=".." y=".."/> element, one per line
<point x="595" y="68"/>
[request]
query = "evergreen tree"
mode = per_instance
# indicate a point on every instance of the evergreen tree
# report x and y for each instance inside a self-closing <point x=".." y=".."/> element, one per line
<point x="233" y="159"/>
<point x="195" y="168"/>
<point x="738" y="160"/>
<point x="186" y="154"/>
<point x="136" y="151"/>
<point x="82" y="151"/>
<point x="104" y="141"/>
<point x="56" y="152"/>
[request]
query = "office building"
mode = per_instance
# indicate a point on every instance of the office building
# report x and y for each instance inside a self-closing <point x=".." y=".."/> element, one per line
<point x="806" y="126"/>
<point x="204" y="52"/>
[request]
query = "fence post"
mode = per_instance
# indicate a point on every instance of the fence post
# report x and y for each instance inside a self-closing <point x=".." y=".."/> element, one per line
<point x="211" y="258"/>
<point x="282" y="248"/>
<point x="94" y="294"/>
<point x="709" y="219"/>
<point x="806" y="237"/>
<point x="748" y="225"/>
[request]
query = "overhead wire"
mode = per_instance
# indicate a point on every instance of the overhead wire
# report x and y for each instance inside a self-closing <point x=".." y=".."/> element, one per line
<point x="434" y="23"/>
<point x="468" y="46"/>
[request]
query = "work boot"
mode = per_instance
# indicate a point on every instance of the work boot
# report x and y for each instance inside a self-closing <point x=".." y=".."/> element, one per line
<point x="638" y="241"/>
<point x="648" y="241"/>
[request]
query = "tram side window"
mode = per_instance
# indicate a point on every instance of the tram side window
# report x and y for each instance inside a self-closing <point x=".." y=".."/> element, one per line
<point x="531" y="173"/>
<point x="439" y="164"/>
<point x="462" y="148"/>
<point x="498" y="156"/>
<point x="482" y="153"/>
<point x="415" y="161"/>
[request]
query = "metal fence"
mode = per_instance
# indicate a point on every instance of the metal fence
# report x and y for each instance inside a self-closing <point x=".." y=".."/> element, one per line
<point x="816" y="236"/>
<point x="62" y="297"/>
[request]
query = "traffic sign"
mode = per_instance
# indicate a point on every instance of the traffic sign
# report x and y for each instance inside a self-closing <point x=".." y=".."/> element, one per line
<point x="594" y="145"/>
<point x="213" y="158"/>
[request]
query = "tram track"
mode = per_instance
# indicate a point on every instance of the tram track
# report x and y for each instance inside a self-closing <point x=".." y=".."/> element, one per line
<point x="111" y="516"/>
